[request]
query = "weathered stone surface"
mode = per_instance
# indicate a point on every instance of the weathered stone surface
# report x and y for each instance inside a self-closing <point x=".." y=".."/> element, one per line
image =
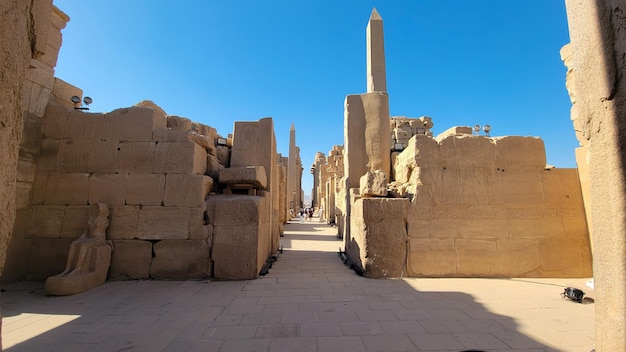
<point x="180" y="260"/>
<point x="130" y="260"/>
<point x="366" y="127"/>
<point x="213" y="167"/>
<point x="84" y="126"/>
<point x="75" y="219"/>
<point x="223" y="155"/>
<point x="22" y="194"/>
<point x="373" y="184"/>
<point x="123" y="223"/>
<point x="107" y="188"/>
<point x="45" y="221"/>
<point x="86" y="156"/>
<point x="145" y="189"/>
<point x="432" y="257"/>
<point x="254" y="176"/>
<point x="68" y="189"/>
<point x="158" y="223"/>
<point x="54" y="121"/>
<point x="565" y="258"/>
<point x="197" y="224"/>
<point x="454" y="131"/>
<point x="62" y="92"/>
<point x="159" y="112"/>
<point x="186" y="190"/>
<point x="379" y="242"/>
<point x="468" y="252"/>
<point x="47" y="257"/>
<point x="135" y="157"/>
<point x="134" y="124"/>
<point x="48" y="156"/>
<point x="180" y="158"/>
<point x="514" y="152"/>
<point x="178" y="123"/>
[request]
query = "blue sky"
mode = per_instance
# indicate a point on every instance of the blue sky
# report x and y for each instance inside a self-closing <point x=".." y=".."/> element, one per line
<point x="217" y="62"/>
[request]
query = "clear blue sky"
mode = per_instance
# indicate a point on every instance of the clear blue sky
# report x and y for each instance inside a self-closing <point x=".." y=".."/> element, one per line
<point x="217" y="62"/>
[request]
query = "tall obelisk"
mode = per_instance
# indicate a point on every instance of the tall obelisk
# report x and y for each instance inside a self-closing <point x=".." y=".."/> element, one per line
<point x="376" y="73"/>
<point x="293" y="188"/>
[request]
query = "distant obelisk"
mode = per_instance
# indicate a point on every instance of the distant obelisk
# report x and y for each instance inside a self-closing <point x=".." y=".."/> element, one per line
<point x="293" y="193"/>
<point x="376" y="73"/>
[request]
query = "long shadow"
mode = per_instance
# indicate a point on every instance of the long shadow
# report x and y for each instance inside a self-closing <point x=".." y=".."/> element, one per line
<point x="309" y="301"/>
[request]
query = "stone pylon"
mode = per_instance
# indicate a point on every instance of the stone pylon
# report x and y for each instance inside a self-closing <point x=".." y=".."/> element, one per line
<point x="376" y="72"/>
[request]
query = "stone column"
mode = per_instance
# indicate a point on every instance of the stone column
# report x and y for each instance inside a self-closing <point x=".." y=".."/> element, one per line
<point x="598" y="57"/>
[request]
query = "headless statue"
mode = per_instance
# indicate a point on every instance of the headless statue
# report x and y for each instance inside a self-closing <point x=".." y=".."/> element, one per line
<point x="89" y="257"/>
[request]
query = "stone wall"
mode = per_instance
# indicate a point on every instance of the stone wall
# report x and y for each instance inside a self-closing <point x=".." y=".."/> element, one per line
<point x="488" y="207"/>
<point x="148" y="168"/>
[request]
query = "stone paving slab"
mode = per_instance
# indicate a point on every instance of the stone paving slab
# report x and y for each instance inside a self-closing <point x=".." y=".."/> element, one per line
<point x="309" y="301"/>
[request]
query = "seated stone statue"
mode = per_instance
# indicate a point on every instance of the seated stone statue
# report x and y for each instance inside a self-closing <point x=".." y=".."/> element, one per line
<point x="89" y="258"/>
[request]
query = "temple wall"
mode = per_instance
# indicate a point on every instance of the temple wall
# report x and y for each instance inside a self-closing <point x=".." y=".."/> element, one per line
<point x="488" y="207"/>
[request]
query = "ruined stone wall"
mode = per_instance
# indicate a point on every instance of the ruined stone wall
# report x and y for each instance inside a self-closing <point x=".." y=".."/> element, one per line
<point x="488" y="207"/>
<point x="148" y="168"/>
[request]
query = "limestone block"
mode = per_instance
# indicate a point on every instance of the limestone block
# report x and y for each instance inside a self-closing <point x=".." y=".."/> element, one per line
<point x="180" y="158"/>
<point x="488" y="228"/>
<point x="62" y="92"/>
<point x="38" y="191"/>
<point x="130" y="260"/>
<point x="67" y="189"/>
<point x="23" y="192"/>
<point x="233" y="261"/>
<point x="454" y="131"/>
<point x="432" y="257"/>
<point x="38" y="99"/>
<point x="107" y="188"/>
<point x="47" y="257"/>
<point x="178" y="123"/>
<point x="248" y="175"/>
<point x="158" y="223"/>
<point x="545" y="227"/>
<point x="518" y="258"/>
<point x="84" y="126"/>
<point x="160" y="114"/>
<point x="180" y="260"/>
<point x="135" y="157"/>
<point x="450" y="228"/>
<point x="213" y="167"/>
<point x="468" y="151"/>
<point x="54" y="121"/>
<point x="562" y="186"/>
<point x="170" y="135"/>
<point x="145" y="189"/>
<point x="203" y="141"/>
<point x="511" y="187"/>
<point x="418" y="228"/>
<point x="86" y="156"/>
<point x="197" y="228"/>
<point x="48" y="156"/>
<point x="223" y="155"/>
<point x="30" y="143"/>
<point x="565" y="258"/>
<point x="246" y="144"/>
<point x="134" y="124"/>
<point x="75" y="220"/>
<point x="233" y="210"/>
<point x="373" y="184"/>
<point x="476" y="257"/>
<point x="515" y="152"/>
<point x="474" y="184"/>
<point x="123" y="222"/>
<point x="186" y="190"/>
<point x="376" y="209"/>
<point x="40" y="74"/>
<point x="204" y="130"/>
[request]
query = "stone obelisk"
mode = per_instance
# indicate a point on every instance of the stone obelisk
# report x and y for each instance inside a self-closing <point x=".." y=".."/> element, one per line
<point x="293" y="191"/>
<point x="376" y="73"/>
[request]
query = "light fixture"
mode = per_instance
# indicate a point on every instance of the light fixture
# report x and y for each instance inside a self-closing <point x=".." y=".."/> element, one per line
<point x="398" y="147"/>
<point x="76" y="100"/>
<point x="477" y="129"/>
<point x="487" y="129"/>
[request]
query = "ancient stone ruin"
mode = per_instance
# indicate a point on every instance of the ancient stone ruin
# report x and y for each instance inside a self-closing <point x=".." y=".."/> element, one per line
<point x="408" y="203"/>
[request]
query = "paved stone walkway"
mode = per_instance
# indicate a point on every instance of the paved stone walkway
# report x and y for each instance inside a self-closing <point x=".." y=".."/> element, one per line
<point x="309" y="301"/>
